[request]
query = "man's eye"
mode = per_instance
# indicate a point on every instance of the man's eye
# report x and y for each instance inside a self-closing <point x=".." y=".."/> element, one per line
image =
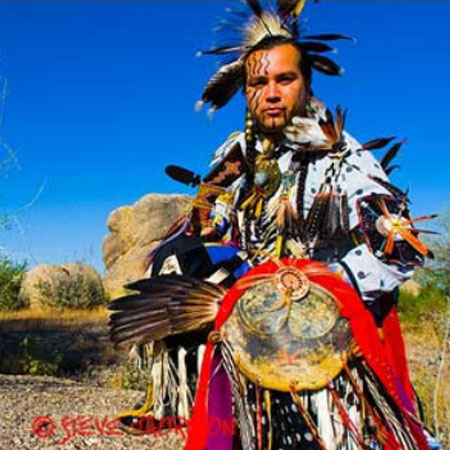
<point x="257" y="83"/>
<point x="286" y="80"/>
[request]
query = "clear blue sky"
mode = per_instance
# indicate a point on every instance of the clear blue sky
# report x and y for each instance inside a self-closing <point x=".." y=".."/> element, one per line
<point x="100" y="99"/>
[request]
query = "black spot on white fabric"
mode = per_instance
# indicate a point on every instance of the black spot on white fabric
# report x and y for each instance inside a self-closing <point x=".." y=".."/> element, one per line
<point x="349" y="169"/>
<point x="313" y="190"/>
<point x="361" y="275"/>
<point x="351" y="401"/>
<point x="359" y="192"/>
<point x="358" y="252"/>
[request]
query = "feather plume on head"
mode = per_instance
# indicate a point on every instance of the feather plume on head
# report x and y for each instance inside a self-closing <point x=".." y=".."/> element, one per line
<point x="269" y="24"/>
<point x="258" y="26"/>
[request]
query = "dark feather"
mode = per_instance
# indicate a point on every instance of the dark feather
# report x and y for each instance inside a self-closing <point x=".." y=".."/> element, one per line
<point x="286" y="7"/>
<point x="317" y="47"/>
<point x="134" y="323"/>
<point x="314" y="220"/>
<point x="124" y="318"/>
<point x="341" y="116"/>
<point x="221" y="50"/>
<point x="333" y="216"/>
<point x="390" y="154"/>
<point x="324" y="65"/>
<point x="375" y="144"/>
<point x="183" y="175"/>
<point x="168" y="283"/>
<point x="394" y="190"/>
<point x="345" y="222"/>
<point x="165" y="305"/>
<point x="422" y="218"/>
<point x="418" y="230"/>
<point x="256" y="7"/>
<point x="328" y="37"/>
<point x="390" y="169"/>
<point x="132" y="303"/>
<point x="141" y="334"/>
<point x="328" y="127"/>
<point x="224" y="84"/>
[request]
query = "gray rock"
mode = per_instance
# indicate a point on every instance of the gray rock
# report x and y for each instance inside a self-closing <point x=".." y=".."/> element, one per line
<point x="133" y="231"/>
<point x="53" y="275"/>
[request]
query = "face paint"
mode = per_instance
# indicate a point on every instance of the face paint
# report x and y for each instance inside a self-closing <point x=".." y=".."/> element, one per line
<point x="275" y="89"/>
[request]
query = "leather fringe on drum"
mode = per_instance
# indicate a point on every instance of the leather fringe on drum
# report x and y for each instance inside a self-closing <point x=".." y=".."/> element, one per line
<point x="352" y="412"/>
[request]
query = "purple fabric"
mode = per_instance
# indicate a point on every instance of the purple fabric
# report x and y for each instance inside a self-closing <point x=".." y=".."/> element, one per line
<point x="408" y="405"/>
<point x="221" y="421"/>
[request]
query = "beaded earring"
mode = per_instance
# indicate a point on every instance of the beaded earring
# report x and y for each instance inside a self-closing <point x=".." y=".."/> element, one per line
<point x="249" y="127"/>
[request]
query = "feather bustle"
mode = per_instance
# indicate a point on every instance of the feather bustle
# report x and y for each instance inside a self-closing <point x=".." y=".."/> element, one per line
<point x="166" y="305"/>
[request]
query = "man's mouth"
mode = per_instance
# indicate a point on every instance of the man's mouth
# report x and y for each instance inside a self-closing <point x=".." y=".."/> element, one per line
<point x="273" y="112"/>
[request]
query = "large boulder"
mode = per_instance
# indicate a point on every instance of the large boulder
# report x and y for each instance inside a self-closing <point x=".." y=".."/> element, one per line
<point x="133" y="231"/>
<point x="44" y="279"/>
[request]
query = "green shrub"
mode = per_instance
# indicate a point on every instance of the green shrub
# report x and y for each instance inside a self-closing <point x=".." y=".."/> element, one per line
<point x="128" y="376"/>
<point x="430" y="305"/>
<point x="437" y="270"/>
<point x="53" y="364"/>
<point x="11" y="276"/>
<point x="72" y="292"/>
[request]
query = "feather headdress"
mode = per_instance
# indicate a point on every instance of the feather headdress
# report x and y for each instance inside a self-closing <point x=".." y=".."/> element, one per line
<point x="259" y="25"/>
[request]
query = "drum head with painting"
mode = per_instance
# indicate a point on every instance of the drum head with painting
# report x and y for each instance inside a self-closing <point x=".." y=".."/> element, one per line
<point x="286" y="332"/>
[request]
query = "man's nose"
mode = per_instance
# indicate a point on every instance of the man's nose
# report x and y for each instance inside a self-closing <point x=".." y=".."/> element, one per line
<point x="273" y="93"/>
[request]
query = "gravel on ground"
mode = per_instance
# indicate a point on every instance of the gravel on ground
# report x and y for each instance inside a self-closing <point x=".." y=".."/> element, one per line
<point x="72" y="414"/>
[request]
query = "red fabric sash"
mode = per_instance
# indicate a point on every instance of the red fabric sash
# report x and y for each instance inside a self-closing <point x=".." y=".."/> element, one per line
<point x="387" y="359"/>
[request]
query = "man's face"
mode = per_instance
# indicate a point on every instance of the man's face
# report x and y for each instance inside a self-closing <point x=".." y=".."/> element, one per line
<point x="275" y="89"/>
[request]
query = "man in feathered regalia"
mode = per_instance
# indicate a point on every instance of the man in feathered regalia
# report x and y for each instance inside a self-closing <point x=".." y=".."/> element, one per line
<point x="269" y="320"/>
